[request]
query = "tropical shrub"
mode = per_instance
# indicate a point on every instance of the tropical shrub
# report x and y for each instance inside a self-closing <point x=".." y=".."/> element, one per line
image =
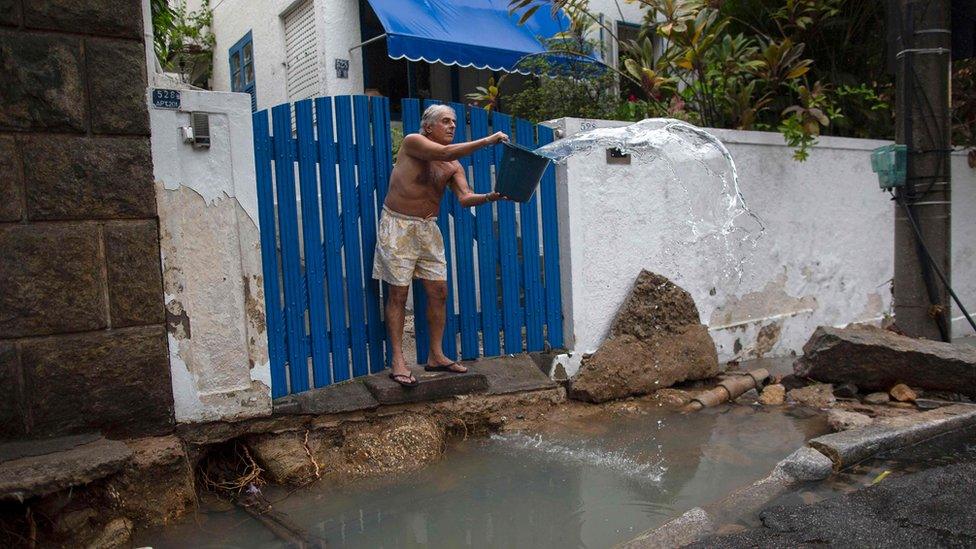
<point x="183" y="40"/>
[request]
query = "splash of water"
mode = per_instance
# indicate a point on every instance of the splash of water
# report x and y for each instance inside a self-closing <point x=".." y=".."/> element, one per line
<point x="715" y="214"/>
<point x="585" y="455"/>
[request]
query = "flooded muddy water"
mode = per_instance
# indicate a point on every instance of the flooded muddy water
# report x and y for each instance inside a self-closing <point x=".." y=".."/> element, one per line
<point x="589" y="481"/>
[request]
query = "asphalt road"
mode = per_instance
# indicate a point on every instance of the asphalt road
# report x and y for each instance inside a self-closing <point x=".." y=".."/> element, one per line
<point x="931" y="508"/>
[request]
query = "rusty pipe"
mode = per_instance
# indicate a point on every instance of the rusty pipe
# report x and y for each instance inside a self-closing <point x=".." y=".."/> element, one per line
<point x="728" y="389"/>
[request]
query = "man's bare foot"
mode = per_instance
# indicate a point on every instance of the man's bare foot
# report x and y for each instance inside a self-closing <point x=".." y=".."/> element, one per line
<point x="444" y="364"/>
<point x="401" y="374"/>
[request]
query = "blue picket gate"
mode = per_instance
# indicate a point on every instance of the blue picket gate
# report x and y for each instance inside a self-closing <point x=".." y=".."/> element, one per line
<point x="323" y="167"/>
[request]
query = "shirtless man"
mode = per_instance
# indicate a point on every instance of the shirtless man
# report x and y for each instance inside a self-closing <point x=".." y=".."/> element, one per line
<point x="409" y="243"/>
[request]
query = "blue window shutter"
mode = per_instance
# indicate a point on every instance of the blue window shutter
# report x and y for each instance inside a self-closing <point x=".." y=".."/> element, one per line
<point x="241" y="58"/>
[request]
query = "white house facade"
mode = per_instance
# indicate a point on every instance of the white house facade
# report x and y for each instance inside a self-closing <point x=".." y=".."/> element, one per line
<point x="287" y="50"/>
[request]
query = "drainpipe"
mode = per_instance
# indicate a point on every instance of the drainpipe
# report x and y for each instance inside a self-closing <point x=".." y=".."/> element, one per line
<point x="728" y="389"/>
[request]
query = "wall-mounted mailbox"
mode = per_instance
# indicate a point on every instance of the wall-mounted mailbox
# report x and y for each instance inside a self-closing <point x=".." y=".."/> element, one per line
<point x="198" y="132"/>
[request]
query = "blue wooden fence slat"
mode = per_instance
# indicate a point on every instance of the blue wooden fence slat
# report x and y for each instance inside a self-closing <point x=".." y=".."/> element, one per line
<point x="508" y="253"/>
<point x="295" y="303"/>
<point x="382" y="157"/>
<point x="332" y="245"/>
<point x="487" y="241"/>
<point x="314" y="260"/>
<point x="337" y="223"/>
<point x="367" y="212"/>
<point x="350" y="233"/>
<point x="464" y="245"/>
<point x="531" y="265"/>
<point x="550" y="248"/>
<point x="411" y="124"/>
<point x="269" y="255"/>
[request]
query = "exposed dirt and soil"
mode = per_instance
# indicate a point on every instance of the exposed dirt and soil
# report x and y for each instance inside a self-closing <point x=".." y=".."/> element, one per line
<point x="656" y="340"/>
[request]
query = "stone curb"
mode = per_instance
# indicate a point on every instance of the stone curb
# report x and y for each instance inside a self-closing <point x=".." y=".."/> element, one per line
<point x="846" y="448"/>
<point x="818" y="460"/>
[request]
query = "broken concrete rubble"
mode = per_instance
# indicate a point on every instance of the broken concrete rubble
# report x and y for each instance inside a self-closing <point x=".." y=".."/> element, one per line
<point x="773" y="395"/>
<point x="655" y="341"/>
<point x="877" y="398"/>
<point x="849" y="447"/>
<point x="655" y="305"/>
<point x="903" y="393"/>
<point x="840" y="420"/>
<point x="877" y="359"/>
<point x="820" y="395"/>
<point x="626" y="366"/>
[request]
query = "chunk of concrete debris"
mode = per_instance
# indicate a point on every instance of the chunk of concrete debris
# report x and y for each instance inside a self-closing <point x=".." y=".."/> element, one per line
<point x="672" y="398"/>
<point x="806" y="464"/>
<point x="903" y="393"/>
<point x="820" y="395"/>
<point x="655" y="305"/>
<point x="688" y="528"/>
<point x="656" y="340"/>
<point x="840" y="420"/>
<point x="877" y="359"/>
<point x="626" y="366"/>
<point x="877" y="398"/>
<point x="773" y="395"/>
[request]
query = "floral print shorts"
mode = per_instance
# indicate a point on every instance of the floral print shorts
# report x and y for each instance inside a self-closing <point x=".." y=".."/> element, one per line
<point x="408" y="247"/>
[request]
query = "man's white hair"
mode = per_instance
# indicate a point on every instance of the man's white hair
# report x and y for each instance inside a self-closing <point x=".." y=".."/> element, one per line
<point x="432" y="114"/>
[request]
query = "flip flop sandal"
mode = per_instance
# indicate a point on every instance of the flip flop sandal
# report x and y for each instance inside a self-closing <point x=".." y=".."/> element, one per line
<point x="411" y="382"/>
<point x="445" y="368"/>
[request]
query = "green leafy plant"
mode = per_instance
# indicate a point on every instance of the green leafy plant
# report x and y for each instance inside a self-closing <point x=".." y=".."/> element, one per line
<point x="712" y="76"/>
<point x="183" y="40"/>
<point x="802" y="123"/>
<point x="486" y="96"/>
<point x="396" y="135"/>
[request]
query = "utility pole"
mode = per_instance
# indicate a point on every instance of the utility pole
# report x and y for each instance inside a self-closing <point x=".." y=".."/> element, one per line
<point x="921" y="299"/>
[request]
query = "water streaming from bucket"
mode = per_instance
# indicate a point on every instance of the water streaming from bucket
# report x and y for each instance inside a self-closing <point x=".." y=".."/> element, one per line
<point x="717" y="222"/>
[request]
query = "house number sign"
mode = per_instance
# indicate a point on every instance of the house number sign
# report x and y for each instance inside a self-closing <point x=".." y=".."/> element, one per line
<point x="166" y="99"/>
<point x="342" y="68"/>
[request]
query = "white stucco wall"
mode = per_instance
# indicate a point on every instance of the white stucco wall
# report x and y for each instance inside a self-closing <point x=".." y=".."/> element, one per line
<point x="211" y="258"/>
<point x="826" y="257"/>
<point x="337" y="28"/>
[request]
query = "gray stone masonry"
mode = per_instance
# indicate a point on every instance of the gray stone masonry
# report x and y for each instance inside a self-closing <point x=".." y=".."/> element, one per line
<point x="82" y="339"/>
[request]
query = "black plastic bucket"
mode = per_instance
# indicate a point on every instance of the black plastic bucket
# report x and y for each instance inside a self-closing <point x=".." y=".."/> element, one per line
<point x="519" y="172"/>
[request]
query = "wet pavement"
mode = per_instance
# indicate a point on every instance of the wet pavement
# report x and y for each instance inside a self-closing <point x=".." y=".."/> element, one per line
<point x="918" y="497"/>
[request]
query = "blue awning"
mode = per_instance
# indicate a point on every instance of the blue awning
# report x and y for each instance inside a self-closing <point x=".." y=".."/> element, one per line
<point x="467" y="33"/>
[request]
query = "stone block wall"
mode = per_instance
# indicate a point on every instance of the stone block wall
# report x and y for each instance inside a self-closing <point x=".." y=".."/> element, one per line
<point x="82" y="338"/>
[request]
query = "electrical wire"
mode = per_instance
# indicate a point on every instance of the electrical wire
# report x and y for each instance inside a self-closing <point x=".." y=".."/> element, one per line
<point x="928" y="257"/>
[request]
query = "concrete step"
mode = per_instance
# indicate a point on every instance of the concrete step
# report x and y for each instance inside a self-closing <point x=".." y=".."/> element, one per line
<point x="38" y="468"/>
<point x="492" y="376"/>
<point x="431" y="386"/>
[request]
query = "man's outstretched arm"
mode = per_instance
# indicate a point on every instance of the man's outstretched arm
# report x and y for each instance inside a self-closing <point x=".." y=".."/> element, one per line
<point x="422" y="148"/>
<point x="459" y="184"/>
